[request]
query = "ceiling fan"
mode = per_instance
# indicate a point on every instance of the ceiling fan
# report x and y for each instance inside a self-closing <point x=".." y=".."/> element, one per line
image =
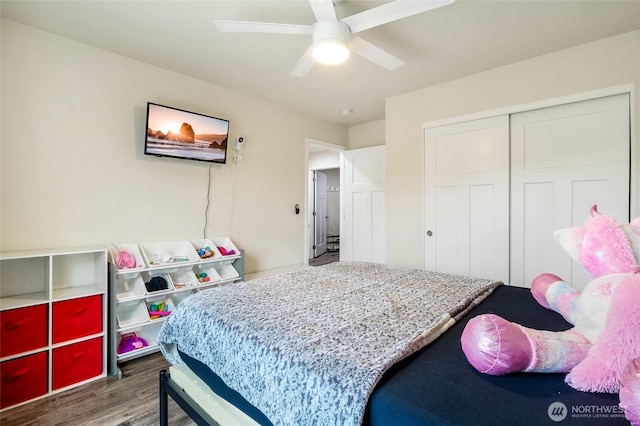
<point x="333" y="39"/>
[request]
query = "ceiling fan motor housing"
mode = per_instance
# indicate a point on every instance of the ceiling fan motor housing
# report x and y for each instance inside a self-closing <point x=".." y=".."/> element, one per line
<point x="330" y="40"/>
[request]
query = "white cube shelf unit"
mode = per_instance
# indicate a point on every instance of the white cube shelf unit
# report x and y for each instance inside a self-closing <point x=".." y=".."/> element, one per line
<point x="53" y="315"/>
<point x="165" y="273"/>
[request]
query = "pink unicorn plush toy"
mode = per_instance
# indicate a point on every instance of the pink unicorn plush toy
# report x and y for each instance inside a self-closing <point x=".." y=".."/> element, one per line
<point x="601" y="352"/>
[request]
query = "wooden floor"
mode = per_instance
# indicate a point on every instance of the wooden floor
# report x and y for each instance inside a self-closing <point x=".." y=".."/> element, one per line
<point x="323" y="259"/>
<point x="130" y="401"/>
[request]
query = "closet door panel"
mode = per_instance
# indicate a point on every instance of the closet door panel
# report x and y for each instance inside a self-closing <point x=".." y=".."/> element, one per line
<point x="539" y="251"/>
<point x="579" y="154"/>
<point x="467" y="198"/>
<point x="445" y="258"/>
<point x="481" y="229"/>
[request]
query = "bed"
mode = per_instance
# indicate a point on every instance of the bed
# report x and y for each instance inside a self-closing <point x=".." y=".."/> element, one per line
<point x="424" y="379"/>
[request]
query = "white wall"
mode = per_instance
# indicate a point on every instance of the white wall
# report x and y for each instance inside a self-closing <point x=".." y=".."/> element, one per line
<point x="366" y="135"/>
<point x="73" y="173"/>
<point x="606" y="63"/>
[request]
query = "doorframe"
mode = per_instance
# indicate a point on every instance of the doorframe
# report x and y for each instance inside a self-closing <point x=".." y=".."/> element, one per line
<point x="314" y="145"/>
<point x="546" y="103"/>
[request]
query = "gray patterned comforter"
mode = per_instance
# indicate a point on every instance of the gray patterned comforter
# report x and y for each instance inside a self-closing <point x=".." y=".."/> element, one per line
<point x="308" y="347"/>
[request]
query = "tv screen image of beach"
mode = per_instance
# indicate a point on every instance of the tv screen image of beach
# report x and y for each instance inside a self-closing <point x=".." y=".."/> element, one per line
<point x="173" y="132"/>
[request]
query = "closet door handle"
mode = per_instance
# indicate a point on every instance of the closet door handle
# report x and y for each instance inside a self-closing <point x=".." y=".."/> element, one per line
<point x="429" y="233"/>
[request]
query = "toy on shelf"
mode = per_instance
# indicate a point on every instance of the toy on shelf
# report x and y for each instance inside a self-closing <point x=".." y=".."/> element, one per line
<point x="205" y="252"/>
<point x="202" y="277"/>
<point x="159" y="310"/>
<point x="165" y="256"/>
<point x="122" y="258"/>
<point x="601" y="352"/>
<point x="156" y="284"/>
<point x="184" y="280"/>
<point x="130" y="342"/>
<point x="226" y="252"/>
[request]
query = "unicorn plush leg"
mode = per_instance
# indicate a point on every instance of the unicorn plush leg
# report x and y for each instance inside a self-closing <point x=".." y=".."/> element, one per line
<point x="553" y="293"/>
<point x="496" y="346"/>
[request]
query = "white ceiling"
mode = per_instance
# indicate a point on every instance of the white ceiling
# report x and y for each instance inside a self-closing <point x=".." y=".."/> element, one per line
<point x="454" y="41"/>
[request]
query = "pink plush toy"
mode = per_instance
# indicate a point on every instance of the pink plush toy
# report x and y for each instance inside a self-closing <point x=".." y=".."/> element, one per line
<point x="601" y="352"/>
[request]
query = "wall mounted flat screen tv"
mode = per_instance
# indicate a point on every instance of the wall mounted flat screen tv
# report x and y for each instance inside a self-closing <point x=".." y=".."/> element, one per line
<point x="176" y="133"/>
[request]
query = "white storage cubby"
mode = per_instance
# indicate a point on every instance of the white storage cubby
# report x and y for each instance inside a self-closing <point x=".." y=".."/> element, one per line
<point x="147" y="333"/>
<point x="168" y="254"/>
<point x="179" y="264"/>
<point x="129" y="288"/>
<point x="147" y="277"/>
<point x="182" y="279"/>
<point x="133" y="251"/>
<point x="226" y="271"/>
<point x="158" y="308"/>
<point x="202" y="272"/>
<point x="202" y="244"/>
<point x="224" y="244"/>
<point x="179" y="296"/>
<point x="53" y="306"/>
<point x="131" y="313"/>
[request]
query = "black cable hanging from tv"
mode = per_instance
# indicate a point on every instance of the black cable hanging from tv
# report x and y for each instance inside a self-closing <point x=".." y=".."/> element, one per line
<point x="206" y="210"/>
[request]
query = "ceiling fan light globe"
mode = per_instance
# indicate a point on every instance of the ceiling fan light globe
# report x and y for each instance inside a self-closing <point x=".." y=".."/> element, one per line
<point x="330" y="51"/>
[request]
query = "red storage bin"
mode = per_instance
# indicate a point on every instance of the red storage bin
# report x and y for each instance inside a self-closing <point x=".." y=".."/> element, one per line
<point x="76" y="362"/>
<point x="22" y="379"/>
<point x="23" y="329"/>
<point x="77" y="318"/>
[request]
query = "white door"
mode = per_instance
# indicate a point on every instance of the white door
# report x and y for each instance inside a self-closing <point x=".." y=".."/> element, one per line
<point x="320" y="213"/>
<point x="565" y="159"/>
<point x="467" y="198"/>
<point x="362" y="233"/>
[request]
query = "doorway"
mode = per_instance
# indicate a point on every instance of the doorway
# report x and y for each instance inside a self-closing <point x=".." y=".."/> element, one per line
<point x="323" y="210"/>
<point x="326" y="217"/>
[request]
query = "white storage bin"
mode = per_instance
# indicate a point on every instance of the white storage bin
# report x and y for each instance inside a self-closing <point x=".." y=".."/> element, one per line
<point x="148" y="333"/>
<point x="131" y="314"/>
<point x="202" y="244"/>
<point x="146" y="278"/>
<point x="161" y="312"/>
<point x="206" y="286"/>
<point x="183" y="278"/>
<point x="225" y="245"/>
<point x="180" y="296"/>
<point x="226" y="271"/>
<point x="168" y="253"/>
<point x="210" y="272"/>
<point x="133" y="251"/>
<point x="130" y="342"/>
<point x="129" y="288"/>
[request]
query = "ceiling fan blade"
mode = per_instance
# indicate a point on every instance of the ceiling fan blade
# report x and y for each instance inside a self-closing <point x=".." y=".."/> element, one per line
<point x="374" y="53"/>
<point x="323" y="10"/>
<point x="389" y="12"/>
<point x="304" y="65"/>
<point x="262" y="27"/>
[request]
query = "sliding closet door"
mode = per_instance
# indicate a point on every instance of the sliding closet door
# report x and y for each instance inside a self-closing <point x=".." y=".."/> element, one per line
<point x="467" y="198"/>
<point x="565" y="159"/>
